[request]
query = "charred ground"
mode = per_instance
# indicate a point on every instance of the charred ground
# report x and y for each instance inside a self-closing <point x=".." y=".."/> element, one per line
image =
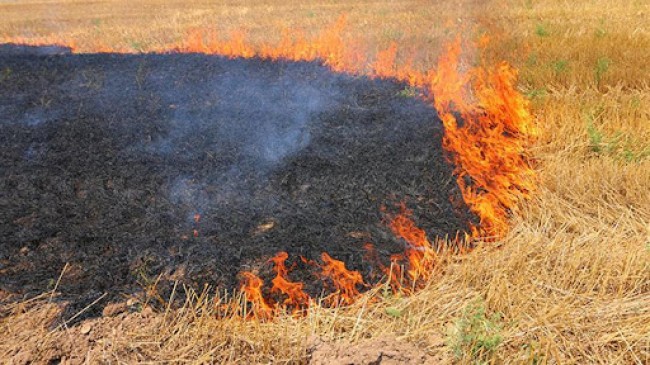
<point x="106" y="159"/>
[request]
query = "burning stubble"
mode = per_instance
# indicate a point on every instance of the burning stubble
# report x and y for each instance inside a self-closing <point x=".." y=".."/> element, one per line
<point x="297" y="148"/>
<point x="138" y="146"/>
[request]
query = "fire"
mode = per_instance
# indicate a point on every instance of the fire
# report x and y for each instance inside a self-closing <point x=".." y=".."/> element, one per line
<point x="345" y="282"/>
<point x="419" y="253"/>
<point x="252" y="289"/>
<point x="295" y="296"/>
<point x="487" y="130"/>
<point x="488" y="143"/>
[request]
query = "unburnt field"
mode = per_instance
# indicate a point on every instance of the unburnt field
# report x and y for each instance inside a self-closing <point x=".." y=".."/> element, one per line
<point x="570" y="282"/>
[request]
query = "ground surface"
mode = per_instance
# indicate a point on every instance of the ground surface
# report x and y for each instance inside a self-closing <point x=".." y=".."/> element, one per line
<point x="106" y="160"/>
<point x="569" y="284"/>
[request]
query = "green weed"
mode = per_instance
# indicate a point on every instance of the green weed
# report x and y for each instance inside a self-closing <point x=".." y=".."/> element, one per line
<point x="602" y="66"/>
<point x="408" y="92"/>
<point x="474" y="334"/>
<point x="531" y="61"/>
<point x="541" y="31"/>
<point x="560" y="66"/>
<point x="617" y="145"/>
<point x="595" y="138"/>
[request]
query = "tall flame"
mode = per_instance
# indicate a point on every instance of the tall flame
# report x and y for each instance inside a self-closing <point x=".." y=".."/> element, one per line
<point x="488" y="143"/>
<point x="487" y="124"/>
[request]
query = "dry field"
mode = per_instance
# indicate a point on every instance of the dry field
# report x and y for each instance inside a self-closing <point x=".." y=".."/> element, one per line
<point x="570" y="283"/>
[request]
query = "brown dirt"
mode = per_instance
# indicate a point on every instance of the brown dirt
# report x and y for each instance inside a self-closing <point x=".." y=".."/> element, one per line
<point x="35" y="336"/>
<point x="386" y="350"/>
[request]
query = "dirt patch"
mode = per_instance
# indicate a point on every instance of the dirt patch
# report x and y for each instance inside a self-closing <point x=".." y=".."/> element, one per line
<point x="384" y="350"/>
<point x="35" y="335"/>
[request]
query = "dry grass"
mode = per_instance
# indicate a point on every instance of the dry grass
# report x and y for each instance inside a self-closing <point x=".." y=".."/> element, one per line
<point x="571" y="282"/>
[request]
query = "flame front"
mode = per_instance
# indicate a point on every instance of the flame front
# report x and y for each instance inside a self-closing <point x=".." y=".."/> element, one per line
<point x="487" y="130"/>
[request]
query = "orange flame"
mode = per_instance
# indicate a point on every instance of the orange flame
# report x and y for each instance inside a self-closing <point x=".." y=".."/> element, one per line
<point x="252" y="289"/>
<point x="344" y="281"/>
<point x="419" y="253"/>
<point x="488" y="144"/>
<point x="296" y="297"/>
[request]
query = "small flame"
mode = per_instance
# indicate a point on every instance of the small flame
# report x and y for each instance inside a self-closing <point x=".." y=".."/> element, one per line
<point x="295" y="296"/>
<point x="252" y="289"/>
<point x="419" y="253"/>
<point x="345" y="282"/>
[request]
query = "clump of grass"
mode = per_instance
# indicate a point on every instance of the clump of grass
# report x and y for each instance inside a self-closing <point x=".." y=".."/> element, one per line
<point x="601" y="32"/>
<point x="5" y="73"/>
<point x="595" y="138"/>
<point x="408" y="92"/>
<point x="475" y="335"/>
<point x="619" y="145"/>
<point x="560" y="66"/>
<point x="541" y="30"/>
<point x="602" y="66"/>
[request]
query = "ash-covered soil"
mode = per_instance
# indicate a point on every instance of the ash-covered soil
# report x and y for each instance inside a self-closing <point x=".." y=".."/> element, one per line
<point x="110" y="163"/>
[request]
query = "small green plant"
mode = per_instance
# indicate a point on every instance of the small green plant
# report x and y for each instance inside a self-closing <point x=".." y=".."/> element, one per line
<point x="617" y="145"/>
<point x="595" y="138"/>
<point x="4" y="75"/>
<point x="138" y="46"/>
<point x="408" y="92"/>
<point x="602" y="66"/>
<point x="601" y="32"/>
<point x="393" y="312"/>
<point x="537" y="95"/>
<point x="560" y="66"/>
<point x="541" y="30"/>
<point x="474" y="334"/>
<point x="531" y="61"/>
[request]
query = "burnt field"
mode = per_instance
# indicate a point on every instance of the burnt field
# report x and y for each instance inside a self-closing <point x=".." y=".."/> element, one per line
<point x="193" y="168"/>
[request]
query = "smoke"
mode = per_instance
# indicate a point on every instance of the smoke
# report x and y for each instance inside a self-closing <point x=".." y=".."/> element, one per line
<point x="247" y="120"/>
